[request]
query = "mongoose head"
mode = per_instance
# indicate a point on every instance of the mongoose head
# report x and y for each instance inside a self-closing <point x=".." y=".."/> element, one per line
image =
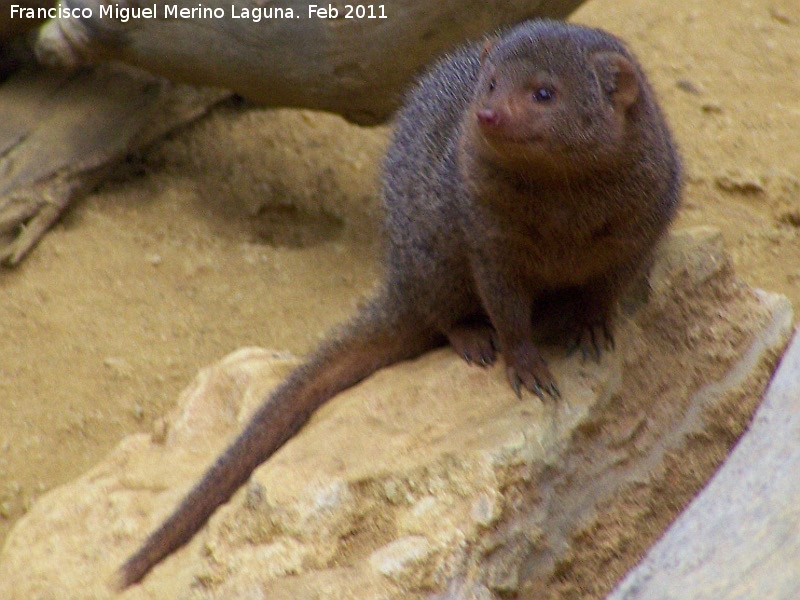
<point x="554" y="96"/>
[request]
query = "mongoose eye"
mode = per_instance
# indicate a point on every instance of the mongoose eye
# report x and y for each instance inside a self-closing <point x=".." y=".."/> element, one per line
<point x="492" y="84"/>
<point x="544" y="94"/>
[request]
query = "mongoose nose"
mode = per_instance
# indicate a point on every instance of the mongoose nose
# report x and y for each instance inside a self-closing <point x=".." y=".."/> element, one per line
<point x="488" y="117"/>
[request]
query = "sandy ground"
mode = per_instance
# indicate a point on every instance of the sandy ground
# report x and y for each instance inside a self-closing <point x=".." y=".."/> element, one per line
<point x="257" y="227"/>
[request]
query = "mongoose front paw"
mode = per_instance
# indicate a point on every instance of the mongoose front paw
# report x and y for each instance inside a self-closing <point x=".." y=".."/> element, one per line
<point x="527" y="367"/>
<point x="476" y="343"/>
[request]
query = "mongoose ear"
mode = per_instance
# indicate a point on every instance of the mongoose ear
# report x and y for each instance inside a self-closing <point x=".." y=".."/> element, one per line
<point x="487" y="47"/>
<point x="618" y="78"/>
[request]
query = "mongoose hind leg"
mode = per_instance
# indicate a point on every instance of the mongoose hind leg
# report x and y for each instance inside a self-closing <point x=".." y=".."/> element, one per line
<point x="594" y="310"/>
<point x="592" y="339"/>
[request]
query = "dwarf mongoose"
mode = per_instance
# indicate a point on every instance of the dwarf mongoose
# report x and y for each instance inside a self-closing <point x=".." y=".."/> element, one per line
<point x="537" y="163"/>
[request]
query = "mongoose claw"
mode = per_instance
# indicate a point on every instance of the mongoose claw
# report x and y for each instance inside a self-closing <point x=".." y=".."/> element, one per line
<point x="514" y="381"/>
<point x="475" y="343"/>
<point x="527" y="368"/>
<point x="572" y="346"/>
<point x="592" y="340"/>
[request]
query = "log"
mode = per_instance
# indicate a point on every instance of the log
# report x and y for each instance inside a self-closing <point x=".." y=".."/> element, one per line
<point x="288" y="53"/>
<point x="62" y="128"/>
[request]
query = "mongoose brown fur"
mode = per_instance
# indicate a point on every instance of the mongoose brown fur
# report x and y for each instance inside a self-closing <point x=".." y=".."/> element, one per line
<point x="538" y="164"/>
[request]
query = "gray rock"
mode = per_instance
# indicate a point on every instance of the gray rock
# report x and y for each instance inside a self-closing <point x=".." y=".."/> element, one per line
<point x="740" y="538"/>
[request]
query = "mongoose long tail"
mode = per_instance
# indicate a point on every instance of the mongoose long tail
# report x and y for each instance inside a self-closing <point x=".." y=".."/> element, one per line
<point x="371" y="341"/>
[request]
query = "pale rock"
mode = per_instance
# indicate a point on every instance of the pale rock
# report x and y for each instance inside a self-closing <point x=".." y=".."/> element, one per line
<point x="402" y="559"/>
<point x="430" y="479"/>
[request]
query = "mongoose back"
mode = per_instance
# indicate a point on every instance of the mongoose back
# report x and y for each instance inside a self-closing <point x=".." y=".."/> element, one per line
<point x="537" y="164"/>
